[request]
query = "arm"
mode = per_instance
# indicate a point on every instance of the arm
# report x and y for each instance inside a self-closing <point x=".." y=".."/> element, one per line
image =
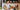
<point x="4" y="7"/>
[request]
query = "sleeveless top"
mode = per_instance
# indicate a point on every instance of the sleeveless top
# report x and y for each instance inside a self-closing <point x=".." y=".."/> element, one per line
<point x="6" y="6"/>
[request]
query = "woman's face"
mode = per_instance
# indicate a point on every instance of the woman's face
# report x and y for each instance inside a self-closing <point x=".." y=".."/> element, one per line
<point x="7" y="1"/>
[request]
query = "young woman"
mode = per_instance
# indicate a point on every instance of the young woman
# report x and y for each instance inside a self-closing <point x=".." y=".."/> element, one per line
<point x="6" y="6"/>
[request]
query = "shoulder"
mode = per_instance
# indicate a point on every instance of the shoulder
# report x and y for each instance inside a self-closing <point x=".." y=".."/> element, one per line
<point x="5" y="4"/>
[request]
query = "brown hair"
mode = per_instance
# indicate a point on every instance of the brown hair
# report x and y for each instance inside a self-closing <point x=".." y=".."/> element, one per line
<point x="6" y="1"/>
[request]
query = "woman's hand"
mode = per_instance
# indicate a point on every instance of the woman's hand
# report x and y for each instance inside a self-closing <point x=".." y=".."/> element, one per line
<point x="6" y="9"/>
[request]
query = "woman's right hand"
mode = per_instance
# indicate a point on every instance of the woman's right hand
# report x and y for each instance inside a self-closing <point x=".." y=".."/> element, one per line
<point x="6" y="9"/>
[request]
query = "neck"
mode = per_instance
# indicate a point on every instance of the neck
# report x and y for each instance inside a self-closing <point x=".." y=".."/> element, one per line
<point x="7" y="3"/>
